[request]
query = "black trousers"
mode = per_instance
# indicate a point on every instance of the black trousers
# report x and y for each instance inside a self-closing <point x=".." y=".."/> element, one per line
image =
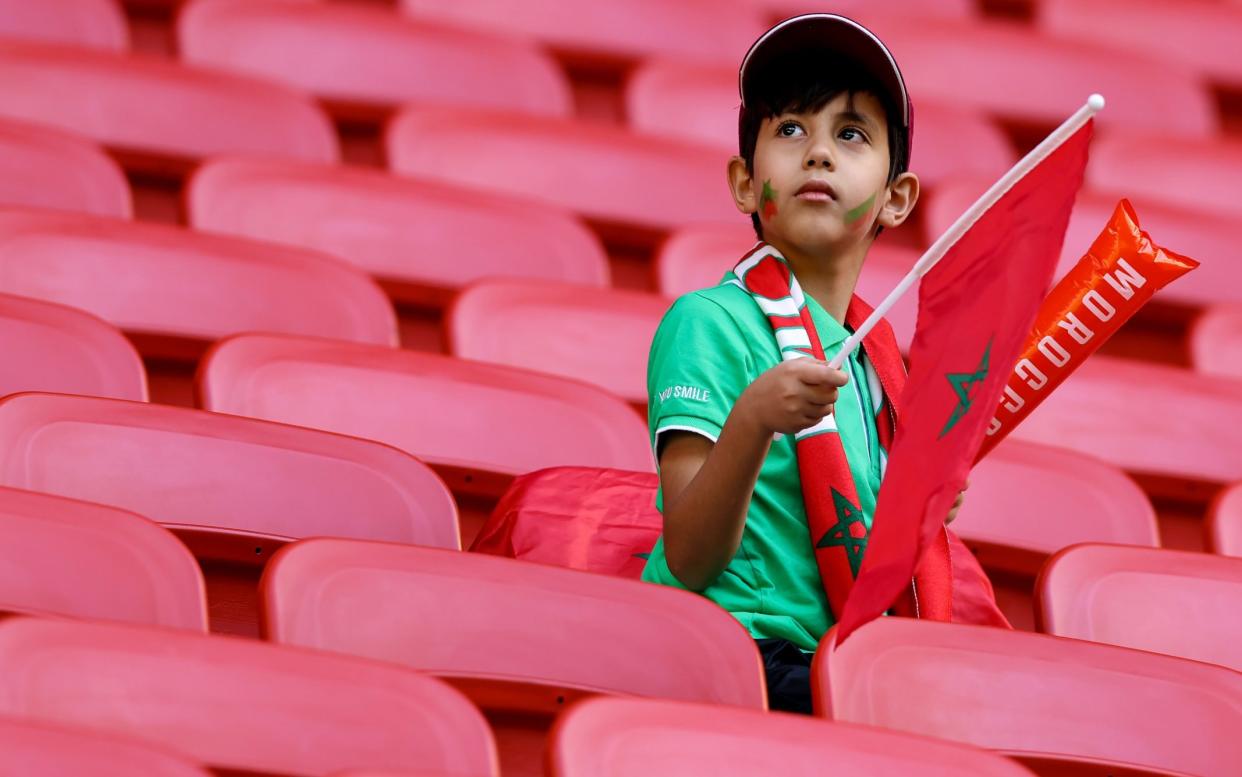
<point x="787" y="671"/>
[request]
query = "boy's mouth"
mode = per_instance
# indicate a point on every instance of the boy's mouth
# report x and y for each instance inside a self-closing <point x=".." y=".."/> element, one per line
<point x="816" y="190"/>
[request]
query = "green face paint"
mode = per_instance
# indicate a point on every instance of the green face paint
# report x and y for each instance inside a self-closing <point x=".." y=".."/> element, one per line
<point x="767" y="200"/>
<point x="855" y="214"/>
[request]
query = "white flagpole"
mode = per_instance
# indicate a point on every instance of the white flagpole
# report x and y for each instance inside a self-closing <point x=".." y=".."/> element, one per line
<point x="1095" y="103"/>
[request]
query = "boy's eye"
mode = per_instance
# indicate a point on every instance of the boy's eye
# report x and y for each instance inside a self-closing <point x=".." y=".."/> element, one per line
<point x="853" y="134"/>
<point x="789" y="129"/>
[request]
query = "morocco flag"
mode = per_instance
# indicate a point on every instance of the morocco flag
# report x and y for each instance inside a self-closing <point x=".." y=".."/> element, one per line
<point x="976" y="306"/>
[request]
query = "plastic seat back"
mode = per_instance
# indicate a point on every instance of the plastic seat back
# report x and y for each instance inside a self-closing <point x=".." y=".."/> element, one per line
<point x="1207" y="237"/>
<point x="601" y="336"/>
<point x="478" y="419"/>
<point x="1199" y="34"/>
<point x="244" y="485"/>
<point x="92" y="23"/>
<point x="239" y="704"/>
<point x="184" y="287"/>
<point x="1064" y="706"/>
<point x="1202" y="175"/>
<point x="611" y="31"/>
<point x="1224" y="525"/>
<point x="55" y="348"/>
<point x="55" y="751"/>
<point x="86" y="560"/>
<point x="697" y="257"/>
<point x="422" y="240"/>
<point x="1039" y="80"/>
<point x="370" y="57"/>
<point x="1216" y="341"/>
<point x="636" y="184"/>
<point x="587" y="518"/>
<point x="495" y="623"/>
<point x="160" y="114"/>
<point x="1027" y="501"/>
<point x="1163" y="601"/>
<point x="46" y="168"/>
<point x="1092" y="413"/>
<point x="700" y="104"/>
<point x="638" y="737"/>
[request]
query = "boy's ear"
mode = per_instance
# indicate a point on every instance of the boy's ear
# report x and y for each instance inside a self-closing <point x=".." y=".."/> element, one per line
<point x="903" y="194"/>
<point x="742" y="186"/>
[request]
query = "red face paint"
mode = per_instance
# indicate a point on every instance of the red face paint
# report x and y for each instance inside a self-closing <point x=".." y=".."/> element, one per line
<point x="767" y="200"/>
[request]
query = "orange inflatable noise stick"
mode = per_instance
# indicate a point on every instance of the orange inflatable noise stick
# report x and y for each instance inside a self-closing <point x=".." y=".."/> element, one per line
<point x="1120" y="273"/>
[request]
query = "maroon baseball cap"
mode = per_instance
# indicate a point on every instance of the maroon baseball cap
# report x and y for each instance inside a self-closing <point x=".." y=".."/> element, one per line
<point x="836" y="35"/>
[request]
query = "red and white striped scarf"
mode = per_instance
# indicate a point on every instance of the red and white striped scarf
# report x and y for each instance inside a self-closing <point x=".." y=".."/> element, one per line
<point x="834" y="514"/>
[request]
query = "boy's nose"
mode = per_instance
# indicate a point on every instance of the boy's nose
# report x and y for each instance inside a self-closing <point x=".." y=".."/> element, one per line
<point x="818" y="156"/>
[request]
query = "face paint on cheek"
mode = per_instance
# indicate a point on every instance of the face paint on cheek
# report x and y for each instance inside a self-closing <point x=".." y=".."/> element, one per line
<point x="854" y="216"/>
<point x="767" y="200"/>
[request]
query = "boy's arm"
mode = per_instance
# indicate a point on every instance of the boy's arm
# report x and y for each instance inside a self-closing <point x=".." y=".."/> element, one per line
<point x="707" y="486"/>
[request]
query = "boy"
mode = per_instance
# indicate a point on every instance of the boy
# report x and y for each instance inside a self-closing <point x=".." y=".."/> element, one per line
<point x="735" y="407"/>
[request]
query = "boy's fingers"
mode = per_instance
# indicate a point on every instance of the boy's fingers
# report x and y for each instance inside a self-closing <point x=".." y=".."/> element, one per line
<point x="816" y="373"/>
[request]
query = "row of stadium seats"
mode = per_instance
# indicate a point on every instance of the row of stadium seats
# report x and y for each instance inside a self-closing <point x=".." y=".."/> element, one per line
<point x="523" y="642"/>
<point x="611" y="31"/>
<point x="236" y="488"/>
<point x="176" y="291"/>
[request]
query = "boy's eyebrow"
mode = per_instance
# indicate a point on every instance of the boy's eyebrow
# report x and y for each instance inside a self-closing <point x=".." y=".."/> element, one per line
<point x="856" y="117"/>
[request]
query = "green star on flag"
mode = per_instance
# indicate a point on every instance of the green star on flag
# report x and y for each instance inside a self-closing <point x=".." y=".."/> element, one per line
<point x="962" y="383"/>
<point x="844" y="534"/>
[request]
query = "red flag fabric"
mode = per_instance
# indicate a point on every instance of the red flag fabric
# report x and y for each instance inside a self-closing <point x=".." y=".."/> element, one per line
<point x="975" y="308"/>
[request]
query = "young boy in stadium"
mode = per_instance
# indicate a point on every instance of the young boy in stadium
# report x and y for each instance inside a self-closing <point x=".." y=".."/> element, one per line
<point x="824" y="133"/>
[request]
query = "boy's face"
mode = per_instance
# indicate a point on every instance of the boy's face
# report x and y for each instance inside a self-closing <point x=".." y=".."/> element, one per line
<point x="820" y="178"/>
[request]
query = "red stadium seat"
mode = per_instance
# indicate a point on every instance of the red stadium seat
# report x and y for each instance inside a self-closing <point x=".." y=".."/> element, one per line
<point x="160" y="115"/>
<point x="1034" y="79"/>
<point x="50" y="347"/>
<point x="1027" y="501"/>
<point x="586" y="518"/>
<point x="1206" y="237"/>
<point x="648" y="185"/>
<point x="601" y="336"/>
<point x="700" y="103"/>
<point x="234" y="487"/>
<point x="71" y="558"/>
<point x="1163" y="601"/>
<point x="46" y="168"/>
<point x="521" y="639"/>
<point x="1200" y="34"/>
<point x="422" y="240"/>
<point x="1216" y="341"/>
<point x="483" y="423"/>
<point x="1061" y="706"/>
<point x="1145" y="418"/>
<point x="238" y="704"/>
<point x="641" y="737"/>
<point x="183" y="287"/>
<point x="611" y="31"/>
<point x="697" y="257"/>
<point x="858" y="9"/>
<point x="53" y="751"/>
<point x="1224" y="525"/>
<point x="370" y="58"/>
<point x="93" y="23"/>
<point x="1202" y="175"/>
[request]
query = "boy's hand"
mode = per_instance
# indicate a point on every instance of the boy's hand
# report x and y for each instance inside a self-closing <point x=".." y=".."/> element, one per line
<point x="957" y="504"/>
<point x="792" y="396"/>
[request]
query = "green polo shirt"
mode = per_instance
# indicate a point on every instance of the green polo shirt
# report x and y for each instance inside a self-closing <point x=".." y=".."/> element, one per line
<point x="708" y="348"/>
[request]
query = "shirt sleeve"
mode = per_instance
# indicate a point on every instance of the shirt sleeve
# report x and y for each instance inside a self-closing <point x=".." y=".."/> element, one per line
<point x="699" y="364"/>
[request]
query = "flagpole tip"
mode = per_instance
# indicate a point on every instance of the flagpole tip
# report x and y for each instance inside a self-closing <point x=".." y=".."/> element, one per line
<point x="1096" y="103"/>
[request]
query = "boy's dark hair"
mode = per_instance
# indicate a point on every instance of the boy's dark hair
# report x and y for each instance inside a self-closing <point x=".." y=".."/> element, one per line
<point x="806" y="81"/>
